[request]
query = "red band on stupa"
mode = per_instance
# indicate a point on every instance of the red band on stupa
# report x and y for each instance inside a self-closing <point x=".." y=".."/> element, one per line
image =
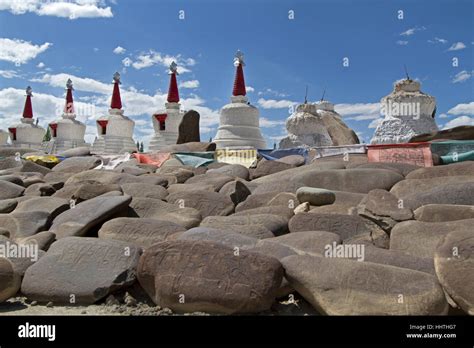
<point x="173" y="94"/>
<point x="116" y="100"/>
<point x="54" y="128"/>
<point x="69" y="107"/>
<point x="28" y="110"/>
<point x="239" y="82"/>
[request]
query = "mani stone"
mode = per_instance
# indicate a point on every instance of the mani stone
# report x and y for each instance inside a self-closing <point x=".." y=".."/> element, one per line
<point x="460" y="193"/>
<point x="84" y="191"/>
<point x="10" y="281"/>
<point x="351" y="180"/>
<point x="462" y="168"/>
<point x="191" y="276"/>
<point x="348" y="227"/>
<point x="278" y="225"/>
<point x="10" y="190"/>
<point x="267" y="167"/>
<point x="51" y="205"/>
<point x="207" y="203"/>
<point x="216" y="180"/>
<point x="157" y="209"/>
<point x="337" y="286"/>
<point x="236" y="190"/>
<point x="175" y="188"/>
<point x="315" y="196"/>
<point x="235" y="170"/>
<point x="86" y="268"/>
<point x="444" y="212"/>
<point x="421" y="238"/>
<point x="79" y="220"/>
<point x="384" y="209"/>
<point x="188" y="129"/>
<point x="24" y="224"/>
<point x="454" y="263"/>
<point x="221" y="236"/>
<point x="77" y="164"/>
<point x="39" y="189"/>
<point x="281" y="210"/>
<point x="142" y="232"/>
<point x="144" y="190"/>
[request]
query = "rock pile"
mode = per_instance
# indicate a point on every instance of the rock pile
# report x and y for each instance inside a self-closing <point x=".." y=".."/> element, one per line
<point x="346" y="237"/>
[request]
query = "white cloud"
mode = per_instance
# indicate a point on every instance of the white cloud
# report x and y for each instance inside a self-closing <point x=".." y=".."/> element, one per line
<point x="269" y="91"/>
<point x="358" y="111"/>
<point x="275" y="104"/>
<point x="249" y="89"/>
<point x="151" y="58"/>
<point x="460" y="121"/>
<point x="402" y="43"/>
<point x="267" y="123"/>
<point x="462" y="76"/>
<point x="8" y="74"/>
<point x="71" y="9"/>
<point x="412" y="31"/>
<point x="41" y="65"/>
<point x="443" y="116"/>
<point x="457" y="46"/>
<point x="438" y="40"/>
<point x="189" y="84"/>
<point x="119" y="50"/>
<point x="19" y="51"/>
<point x="462" y="109"/>
<point x="80" y="84"/>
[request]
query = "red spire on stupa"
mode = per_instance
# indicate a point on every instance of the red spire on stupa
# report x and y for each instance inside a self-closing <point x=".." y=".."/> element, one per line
<point x="239" y="81"/>
<point x="116" y="100"/>
<point x="69" y="107"/>
<point x="173" y="94"/>
<point x="28" y="109"/>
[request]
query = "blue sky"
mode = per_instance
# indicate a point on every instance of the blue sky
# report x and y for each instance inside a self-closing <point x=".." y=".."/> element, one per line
<point x="42" y="43"/>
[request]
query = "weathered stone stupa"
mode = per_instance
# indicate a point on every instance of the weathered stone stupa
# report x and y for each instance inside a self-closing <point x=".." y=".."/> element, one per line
<point x="166" y="122"/>
<point x="27" y="133"/>
<point x="115" y="131"/>
<point x="316" y="125"/>
<point x="239" y="121"/>
<point x="407" y="112"/>
<point x="67" y="132"/>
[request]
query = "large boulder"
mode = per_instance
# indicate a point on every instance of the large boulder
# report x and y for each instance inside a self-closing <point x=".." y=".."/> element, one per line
<point x="351" y="180"/>
<point x="217" y="180"/>
<point x="454" y="263"/>
<point x="266" y="167"/>
<point x="221" y="236"/>
<point x="236" y="190"/>
<point x="51" y="205"/>
<point x="25" y="224"/>
<point x="85" y="216"/>
<point x="83" y="191"/>
<point x="190" y="276"/>
<point x="78" y="270"/>
<point x="235" y="170"/>
<point x="315" y="196"/>
<point x="345" y="287"/>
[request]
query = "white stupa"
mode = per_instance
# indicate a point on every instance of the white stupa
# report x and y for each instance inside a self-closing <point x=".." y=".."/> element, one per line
<point x="27" y="133"/>
<point x="408" y="112"/>
<point x="166" y="122"/>
<point x="67" y="132"/>
<point x="239" y="121"/>
<point x="115" y="131"/>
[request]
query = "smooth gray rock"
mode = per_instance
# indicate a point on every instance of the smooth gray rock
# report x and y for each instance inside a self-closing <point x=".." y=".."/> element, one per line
<point x="315" y="196"/>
